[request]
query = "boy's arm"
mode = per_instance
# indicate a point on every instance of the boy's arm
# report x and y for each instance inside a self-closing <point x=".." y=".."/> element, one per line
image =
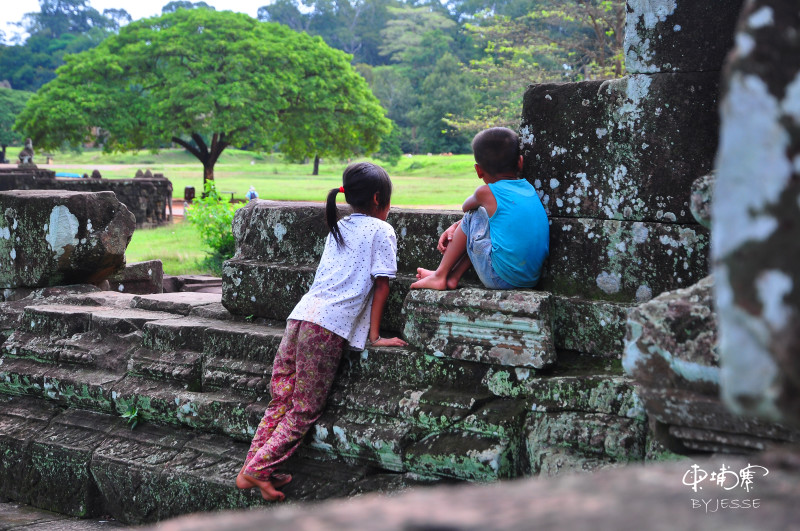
<point x="380" y="294"/>
<point x="484" y="197"/>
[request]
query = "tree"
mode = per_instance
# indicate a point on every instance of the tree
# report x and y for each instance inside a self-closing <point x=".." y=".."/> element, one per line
<point x="353" y="26"/>
<point x="11" y="103"/>
<point x="59" y="28"/>
<point x="184" y="4"/>
<point x="57" y="17"/>
<point x="554" y="41"/>
<point x="206" y="80"/>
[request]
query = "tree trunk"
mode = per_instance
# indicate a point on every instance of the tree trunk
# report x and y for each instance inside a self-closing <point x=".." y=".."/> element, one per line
<point x="3" y="154"/>
<point x="316" y="165"/>
<point x="208" y="173"/>
<point x="208" y="156"/>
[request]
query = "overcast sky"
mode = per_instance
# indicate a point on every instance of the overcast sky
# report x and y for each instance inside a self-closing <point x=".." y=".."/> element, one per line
<point x="13" y="10"/>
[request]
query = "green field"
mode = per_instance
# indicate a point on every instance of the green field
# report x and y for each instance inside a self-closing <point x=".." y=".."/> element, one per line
<point x="419" y="181"/>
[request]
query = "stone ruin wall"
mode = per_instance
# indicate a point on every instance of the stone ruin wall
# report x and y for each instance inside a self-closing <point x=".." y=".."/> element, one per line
<point x="149" y="199"/>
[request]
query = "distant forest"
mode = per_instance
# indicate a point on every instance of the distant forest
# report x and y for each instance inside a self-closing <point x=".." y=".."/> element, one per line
<point x="441" y="71"/>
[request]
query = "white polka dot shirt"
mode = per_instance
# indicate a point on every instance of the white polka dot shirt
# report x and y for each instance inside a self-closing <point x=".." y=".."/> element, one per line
<point x="340" y="299"/>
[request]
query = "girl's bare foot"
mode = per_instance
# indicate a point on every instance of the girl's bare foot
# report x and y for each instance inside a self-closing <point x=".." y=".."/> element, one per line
<point x="241" y="482"/>
<point x="279" y="480"/>
<point x="422" y="273"/>
<point x="268" y="491"/>
<point x="431" y="282"/>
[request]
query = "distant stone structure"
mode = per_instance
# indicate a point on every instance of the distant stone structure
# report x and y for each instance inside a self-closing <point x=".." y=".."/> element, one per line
<point x="26" y="155"/>
<point x="149" y="199"/>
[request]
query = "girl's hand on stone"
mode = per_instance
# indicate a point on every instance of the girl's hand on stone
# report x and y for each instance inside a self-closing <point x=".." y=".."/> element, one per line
<point x="388" y="342"/>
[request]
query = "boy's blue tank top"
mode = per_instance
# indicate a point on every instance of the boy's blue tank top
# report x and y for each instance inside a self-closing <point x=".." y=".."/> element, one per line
<point x="519" y="231"/>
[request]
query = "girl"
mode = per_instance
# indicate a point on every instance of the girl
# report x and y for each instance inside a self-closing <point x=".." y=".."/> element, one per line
<point x="343" y="307"/>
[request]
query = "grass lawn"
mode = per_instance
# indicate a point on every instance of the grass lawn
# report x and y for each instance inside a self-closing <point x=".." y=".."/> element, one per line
<point x="419" y="181"/>
<point x="178" y="246"/>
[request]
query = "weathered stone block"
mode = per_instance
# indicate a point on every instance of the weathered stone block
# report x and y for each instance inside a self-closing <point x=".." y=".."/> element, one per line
<point x="511" y="328"/>
<point x="623" y="261"/>
<point x="591" y="393"/>
<point x="251" y="342"/>
<point x="627" y="149"/>
<point x="681" y="408"/>
<point x="82" y="389"/>
<point x="672" y="341"/>
<point x="112" y="321"/>
<point x="139" y="278"/>
<point x="410" y="367"/>
<point x="248" y="288"/>
<point x="591" y="327"/>
<point x="586" y="437"/>
<point x="180" y="366"/>
<point x="173" y="334"/>
<point x="369" y="438"/>
<point x="294" y="233"/>
<point x="147" y="199"/>
<point x="756" y="210"/>
<point x="60" y="480"/>
<point x="21" y="421"/>
<point x="678" y="36"/>
<point x="245" y="377"/>
<point x="199" y="477"/>
<point x="165" y="402"/>
<point x="271" y="231"/>
<point x="180" y="303"/>
<point x="128" y="467"/>
<point x="461" y="455"/>
<point x="57" y="320"/>
<point x="53" y="238"/>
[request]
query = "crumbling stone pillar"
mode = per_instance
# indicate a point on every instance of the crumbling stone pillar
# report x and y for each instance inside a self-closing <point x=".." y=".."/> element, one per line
<point x="756" y="214"/>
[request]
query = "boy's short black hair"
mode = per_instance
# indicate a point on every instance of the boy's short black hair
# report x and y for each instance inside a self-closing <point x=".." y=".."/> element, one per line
<point x="496" y="150"/>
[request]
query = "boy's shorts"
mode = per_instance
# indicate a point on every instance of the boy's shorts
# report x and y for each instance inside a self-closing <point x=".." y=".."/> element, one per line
<point x="475" y="225"/>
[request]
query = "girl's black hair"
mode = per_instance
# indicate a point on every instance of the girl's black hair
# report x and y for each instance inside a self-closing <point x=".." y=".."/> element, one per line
<point x="360" y="180"/>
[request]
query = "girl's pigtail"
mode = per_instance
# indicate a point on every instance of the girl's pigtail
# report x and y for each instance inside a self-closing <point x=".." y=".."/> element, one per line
<point x="332" y="217"/>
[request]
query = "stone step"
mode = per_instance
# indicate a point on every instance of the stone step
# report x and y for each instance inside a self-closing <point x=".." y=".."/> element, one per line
<point x="83" y="463"/>
<point x="394" y="413"/>
<point x="227" y="339"/>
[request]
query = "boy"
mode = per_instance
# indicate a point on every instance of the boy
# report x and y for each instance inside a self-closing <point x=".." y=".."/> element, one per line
<point x="504" y="233"/>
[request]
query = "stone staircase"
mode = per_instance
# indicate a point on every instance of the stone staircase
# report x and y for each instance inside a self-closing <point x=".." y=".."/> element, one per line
<point x="451" y="407"/>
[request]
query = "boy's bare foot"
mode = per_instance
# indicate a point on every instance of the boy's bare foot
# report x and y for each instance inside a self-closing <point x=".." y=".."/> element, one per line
<point x="452" y="282"/>
<point x="431" y="282"/>
<point x="268" y="491"/>
<point x="422" y="273"/>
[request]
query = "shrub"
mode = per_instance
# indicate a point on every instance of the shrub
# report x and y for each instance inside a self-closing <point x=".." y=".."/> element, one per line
<point x="212" y="215"/>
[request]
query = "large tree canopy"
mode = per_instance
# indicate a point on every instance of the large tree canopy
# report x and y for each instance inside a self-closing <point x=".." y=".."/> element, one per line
<point x="207" y="80"/>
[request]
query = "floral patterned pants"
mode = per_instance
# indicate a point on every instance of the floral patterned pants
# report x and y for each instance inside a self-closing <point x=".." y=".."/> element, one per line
<point x="302" y="375"/>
